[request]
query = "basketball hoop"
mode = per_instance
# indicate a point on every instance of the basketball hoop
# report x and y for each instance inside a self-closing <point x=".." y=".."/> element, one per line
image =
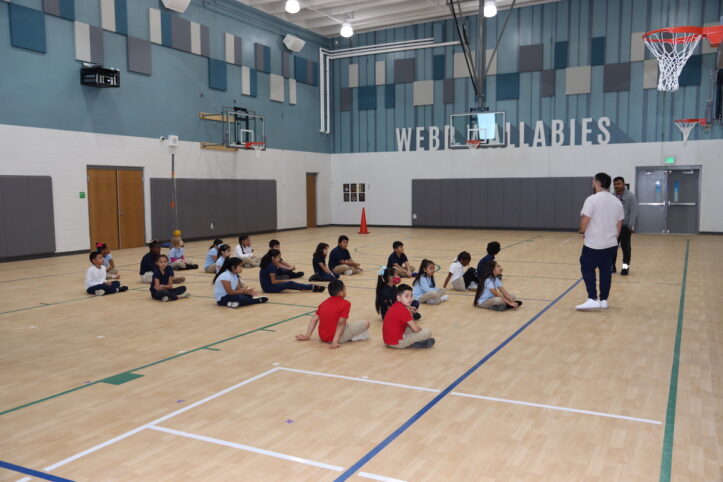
<point x="687" y="125"/>
<point x="256" y="146"/>
<point x="473" y="144"/>
<point x="673" y="47"/>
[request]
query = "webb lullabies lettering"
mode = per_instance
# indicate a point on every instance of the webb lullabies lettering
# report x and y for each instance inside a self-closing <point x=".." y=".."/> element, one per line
<point x="558" y="133"/>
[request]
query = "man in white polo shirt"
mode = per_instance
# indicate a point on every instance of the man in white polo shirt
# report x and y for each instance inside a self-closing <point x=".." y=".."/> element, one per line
<point x="601" y="219"/>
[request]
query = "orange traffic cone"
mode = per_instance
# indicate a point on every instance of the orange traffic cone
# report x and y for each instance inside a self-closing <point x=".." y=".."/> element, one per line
<point x="363" y="227"/>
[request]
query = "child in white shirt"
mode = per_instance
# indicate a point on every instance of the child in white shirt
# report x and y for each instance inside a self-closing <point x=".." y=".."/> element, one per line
<point x="462" y="279"/>
<point x="95" y="278"/>
<point x="245" y="252"/>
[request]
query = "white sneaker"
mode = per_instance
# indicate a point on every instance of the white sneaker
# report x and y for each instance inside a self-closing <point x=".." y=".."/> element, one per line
<point x="472" y="286"/>
<point x="184" y="295"/>
<point x="348" y="272"/>
<point x="590" y="304"/>
<point x="99" y="292"/>
<point x="604" y="304"/>
<point x="164" y="299"/>
<point x="444" y="298"/>
<point x="361" y="336"/>
<point x="232" y="304"/>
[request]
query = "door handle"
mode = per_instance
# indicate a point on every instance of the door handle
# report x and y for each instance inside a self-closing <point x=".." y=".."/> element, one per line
<point x="682" y="204"/>
<point x="651" y="204"/>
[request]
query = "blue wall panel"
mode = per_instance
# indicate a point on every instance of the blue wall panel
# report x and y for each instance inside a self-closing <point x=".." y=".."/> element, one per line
<point x="27" y="28"/>
<point x="561" y="54"/>
<point x="67" y="9"/>
<point x="438" y="67"/>
<point x="367" y="97"/>
<point x="597" y="52"/>
<point x="508" y="86"/>
<point x="217" y="78"/>
<point x="691" y="73"/>
<point x="121" y="16"/>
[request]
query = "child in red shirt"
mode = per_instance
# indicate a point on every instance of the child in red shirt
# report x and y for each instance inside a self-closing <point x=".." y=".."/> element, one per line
<point x="332" y="315"/>
<point x="399" y="329"/>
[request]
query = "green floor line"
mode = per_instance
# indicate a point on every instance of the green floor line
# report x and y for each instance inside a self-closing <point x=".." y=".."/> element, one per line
<point x="212" y="349"/>
<point x="121" y="378"/>
<point x="205" y="347"/>
<point x="666" y="461"/>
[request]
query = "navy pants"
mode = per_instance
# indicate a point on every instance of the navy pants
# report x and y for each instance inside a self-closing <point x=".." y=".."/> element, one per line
<point x="172" y="293"/>
<point x="287" y="285"/>
<point x="602" y="260"/>
<point x="624" y="243"/>
<point x="109" y="289"/>
<point x="326" y="277"/>
<point x="242" y="300"/>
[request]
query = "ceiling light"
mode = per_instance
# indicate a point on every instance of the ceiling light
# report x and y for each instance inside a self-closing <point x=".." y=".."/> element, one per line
<point x="346" y="30"/>
<point x="490" y="9"/>
<point x="292" y="6"/>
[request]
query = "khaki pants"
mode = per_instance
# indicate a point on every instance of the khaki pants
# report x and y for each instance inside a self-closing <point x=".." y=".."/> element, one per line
<point x="458" y="284"/>
<point x="178" y="264"/>
<point x="342" y="268"/>
<point x="353" y="329"/>
<point x="431" y="295"/>
<point x="251" y="261"/>
<point x="404" y="275"/>
<point x="147" y="277"/>
<point x="410" y="337"/>
<point x="495" y="302"/>
<point x="210" y="268"/>
<point x="112" y="271"/>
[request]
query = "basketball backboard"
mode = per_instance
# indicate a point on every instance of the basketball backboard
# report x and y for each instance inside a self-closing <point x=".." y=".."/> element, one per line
<point x="486" y="127"/>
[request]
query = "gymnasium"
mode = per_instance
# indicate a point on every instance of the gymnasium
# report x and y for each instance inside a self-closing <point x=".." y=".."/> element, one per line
<point x="375" y="175"/>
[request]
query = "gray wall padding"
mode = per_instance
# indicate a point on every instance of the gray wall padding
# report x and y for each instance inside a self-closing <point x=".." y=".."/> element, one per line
<point x="403" y="70"/>
<point x="180" y="33"/>
<point x="27" y="223"/>
<point x="616" y="77"/>
<point x="345" y="99"/>
<point x="96" y="45"/>
<point x="530" y="58"/>
<point x="531" y="203"/>
<point x="547" y="83"/>
<point x="233" y="206"/>
<point x="139" y="55"/>
<point x="448" y="91"/>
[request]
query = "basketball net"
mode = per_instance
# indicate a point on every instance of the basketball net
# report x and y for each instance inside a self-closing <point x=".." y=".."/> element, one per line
<point x="473" y="144"/>
<point x="256" y="146"/>
<point x="672" y="47"/>
<point x="687" y="125"/>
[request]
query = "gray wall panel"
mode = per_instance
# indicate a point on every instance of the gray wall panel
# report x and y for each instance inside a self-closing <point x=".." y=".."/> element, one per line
<point x="563" y="203"/>
<point x="463" y="203"/>
<point x="3" y="225"/>
<point x="180" y="33"/>
<point x="545" y="206"/>
<point x="434" y="210"/>
<point x="528" y="203"/>
<point x="582" y="188"/>
<point x="30" y="229"/>
<point x="511" y="204"/>
<point x="478" y="215"/>
<point x="266" y="191"/>
<point x="447" y="202"/>
<point x="139" y="55"/>
<point x="39" y="215"/>
<point x="495" y="199"/>
<point x="418" y="202"/>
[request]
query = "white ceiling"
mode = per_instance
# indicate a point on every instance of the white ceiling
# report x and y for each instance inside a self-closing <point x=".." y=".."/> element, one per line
<point x="325" y="16"/>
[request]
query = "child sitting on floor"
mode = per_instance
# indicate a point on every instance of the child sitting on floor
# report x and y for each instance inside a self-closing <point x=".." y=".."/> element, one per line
<point x="148" y="262"/>
<point x="95" y="278"/>
<point x="110" y="269"/>
<point x="229" y="290"/>
<point x="284" y="268"/>
<point x="462" y="279"/>
<point x="332" y="316"/>
<point x="493" y="247"/>
<point x="224" y="252"/>
<point x="425" y="290"/>
<point x="490" y="293"/>
<point x="209" y="265"/>
<point x="177" y="258"/>
<point x="387" y="293"/>
<point x="399" y="329"/>
<point x="162" y="282"/>
<point x="318" y="261"/>
<point x="398" y="260"/>
<point x="271" y="284"/>
<point x="245" y="252"/>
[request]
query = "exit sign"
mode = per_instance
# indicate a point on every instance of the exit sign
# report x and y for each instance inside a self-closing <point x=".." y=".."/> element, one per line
<point x="670" y="160"/>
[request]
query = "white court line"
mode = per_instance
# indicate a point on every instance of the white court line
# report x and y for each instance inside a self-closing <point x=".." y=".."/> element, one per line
<point x="480" y="397"/>
<point x="577" y="236"/>
<point x="367" y="475"/>
<point x="555" y="407"/>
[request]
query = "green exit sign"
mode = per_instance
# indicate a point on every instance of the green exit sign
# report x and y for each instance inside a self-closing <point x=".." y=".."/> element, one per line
<point x="670" y="160"/>
<point x="82" y="195"/>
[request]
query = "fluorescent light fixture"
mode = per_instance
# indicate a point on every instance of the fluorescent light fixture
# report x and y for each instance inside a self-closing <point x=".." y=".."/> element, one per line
<point x="346" y="30"/>
<point x="490" y="8"/>
<point x="293" y="6"/>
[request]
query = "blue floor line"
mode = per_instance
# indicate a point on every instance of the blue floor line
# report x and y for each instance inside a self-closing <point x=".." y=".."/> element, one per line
<point x="34" y="473"/>
<point x="379" y="447"/>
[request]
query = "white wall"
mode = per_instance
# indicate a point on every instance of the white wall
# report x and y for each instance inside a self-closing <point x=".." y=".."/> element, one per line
<point x="65" y="155"/>
<point x="388" y="175"/>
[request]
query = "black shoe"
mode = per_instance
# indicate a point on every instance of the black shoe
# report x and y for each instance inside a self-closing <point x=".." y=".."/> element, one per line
<point x="614" y="270"/>
<point x="296" y="275"/>
<point x="261" y="299"/>
<point x="498" y="307"/>
<point x="122" y="289"/>
<point x="624" y="272"/>
<point x="314" y="277"/>
<point x="519" y="303"/>
<point x="319" y="289"/>
<point x="416" y="316"/>
<point x="191" y="266"/>
<point x="423" y="344"/>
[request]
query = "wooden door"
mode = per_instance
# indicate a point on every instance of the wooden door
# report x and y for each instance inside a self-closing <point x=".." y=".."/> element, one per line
<point x="310" y="199"/>
<point x="103" y="207"/>
<point x="131" y="216"/>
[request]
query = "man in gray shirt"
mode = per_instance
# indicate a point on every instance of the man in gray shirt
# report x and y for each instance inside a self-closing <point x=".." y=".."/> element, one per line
<point x="630" y="207"/>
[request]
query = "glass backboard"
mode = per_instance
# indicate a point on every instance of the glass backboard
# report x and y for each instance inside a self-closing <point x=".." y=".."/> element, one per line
<point x="486" y="127"/>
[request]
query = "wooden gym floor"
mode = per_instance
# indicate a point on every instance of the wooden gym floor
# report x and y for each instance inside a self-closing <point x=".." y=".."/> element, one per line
<point x="126" y="388"/>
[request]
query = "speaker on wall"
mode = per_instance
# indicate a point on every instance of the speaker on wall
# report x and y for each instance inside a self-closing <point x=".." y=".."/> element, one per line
<point x="294" y="43"/>
<point x="176" y="5"/>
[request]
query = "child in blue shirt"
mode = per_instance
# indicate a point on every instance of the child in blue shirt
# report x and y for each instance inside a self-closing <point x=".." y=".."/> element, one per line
<point x="229" y="290"/>
<point x="490" y="293"/>
<point x="318" y="261"/>
<point x="177" y="258"/>
<point x="162" y="283"/>
<point x="209" y="265"/>
<point x="424" y="289"/>
<point x="110" y="269"/>
<point x="271" y="284"/>
<point x="224" y="252"/>
<point x="399" y="261"/>
<point x="340" y="261"/>
<point x="493" y="248"/>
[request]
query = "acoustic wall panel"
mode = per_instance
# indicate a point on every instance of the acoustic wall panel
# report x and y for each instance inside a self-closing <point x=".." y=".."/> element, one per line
<point x="597" y="51"/>
<point x="390" y="96"/>
<point x="196" y="38"/>
<point x="438" y="67"/>
<point x="30" y="230"/>
<point x="692" y="71"/>
<point x="60" y="8"/>
<point x="286" y="64"/>
<point x="217" y="76"/>
<point x="529" y="58"/>
<point x="448" y="91"/>
<point x="51" y="7"/>
<point x="491" y="63"/>
<point x="180" y="33"/>
<point x="577" y="80"/>
<point x="637" y="47"/>
<point x="650" y="74"/>
<point x="27" y="28"/>
<point x="380" y="72"/>
<point x="154" y="21"/>
<point x="345" y="99"/>
<point x="276" y="88"/>
<point x="114" y="16"/>
<point x="166" y="29"/>
<point x="353" y="75"/>
<point x="205" y="41"/>
<point x="508" y="86"/>
<point x="460" y="65"/>
<point x="262" y="58"/>
<point x="561" y="54"/>
<point x="547" y="83"/>
<point x="292" y="92"/>
<point x="233" y="49"/>
<point x="616" y="77"/>
<point x="423" y="92"/>
<point x="367" y="97"/>
<point x="88" y="43"/>
<point x="249" y="81"/>
<point x="404" y="70"/>
<point x="139" y="55"/>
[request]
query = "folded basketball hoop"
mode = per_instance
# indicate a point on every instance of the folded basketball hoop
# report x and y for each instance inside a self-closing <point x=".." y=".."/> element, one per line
<point x="673" y="46"/>
<point x="256" y="146"/>
<point x="473" y="144"/>
<point x="687" y="125"/>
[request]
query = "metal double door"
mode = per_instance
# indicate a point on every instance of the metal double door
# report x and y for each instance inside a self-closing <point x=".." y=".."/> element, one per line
<point x="668" y="199"/>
